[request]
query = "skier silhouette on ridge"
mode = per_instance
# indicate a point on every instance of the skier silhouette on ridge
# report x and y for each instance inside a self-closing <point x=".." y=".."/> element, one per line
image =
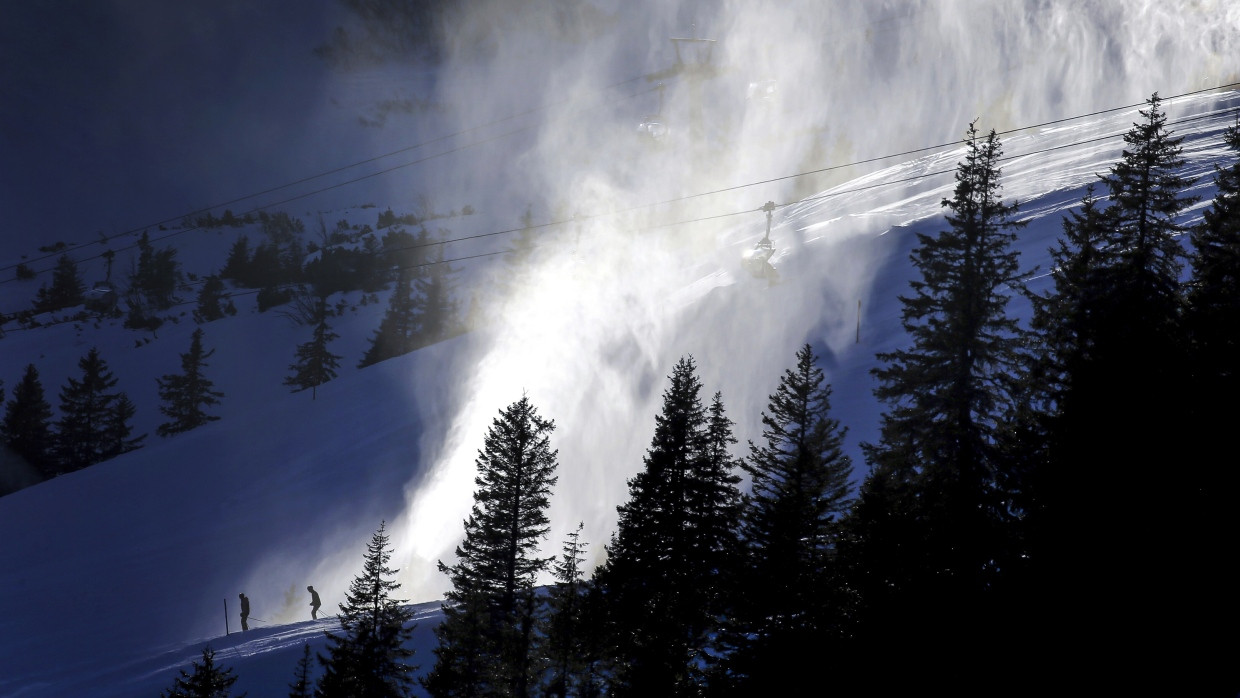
<point x="314" y="602"/>
<point x="245" y="611"/>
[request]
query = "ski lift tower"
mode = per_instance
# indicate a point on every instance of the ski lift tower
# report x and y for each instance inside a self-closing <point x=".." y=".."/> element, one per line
<point x="693" y="60"/>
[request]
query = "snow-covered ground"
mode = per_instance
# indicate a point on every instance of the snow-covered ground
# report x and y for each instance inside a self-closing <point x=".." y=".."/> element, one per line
<point x="116" y="576"/>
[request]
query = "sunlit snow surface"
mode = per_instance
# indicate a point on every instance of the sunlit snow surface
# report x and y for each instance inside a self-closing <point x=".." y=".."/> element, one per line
<point x="117" y="575"/>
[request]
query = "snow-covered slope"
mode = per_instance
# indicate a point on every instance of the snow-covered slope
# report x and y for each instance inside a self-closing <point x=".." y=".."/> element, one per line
<point x="117" y="575"/>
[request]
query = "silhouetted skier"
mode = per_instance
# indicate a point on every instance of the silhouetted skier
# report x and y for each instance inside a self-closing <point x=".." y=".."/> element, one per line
<point x="245" y="612"/>
<point x="314" y="602"/>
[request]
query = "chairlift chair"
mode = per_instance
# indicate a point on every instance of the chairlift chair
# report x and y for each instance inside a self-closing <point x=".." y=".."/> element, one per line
<point x="758" y="259"/>
<point x="102" y="297"/>
<point x="653" y="128"/>
<point x="762" y="90"/>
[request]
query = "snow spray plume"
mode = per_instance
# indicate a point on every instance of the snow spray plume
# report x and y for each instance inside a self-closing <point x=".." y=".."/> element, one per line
<point x="608" y="303"/>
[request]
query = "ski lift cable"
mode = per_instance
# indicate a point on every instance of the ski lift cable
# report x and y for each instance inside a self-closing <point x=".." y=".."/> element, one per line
<point x="268" y="205"/>
<point x="659" y="75"/>
<point x="769" y="208"/>
<point x="890" y="182"/>
<point x="660" y="86"/>
<point x="840" y="192"/>
<point x="104" y="239"/>
<point x="925" y="149"/>
<point x="586" y="217"/>
<point x="914" y="178"/>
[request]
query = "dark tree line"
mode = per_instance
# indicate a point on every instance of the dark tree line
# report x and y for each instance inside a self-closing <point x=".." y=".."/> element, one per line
<point x="95" y="422"/>
<point x="66" y="289"/>
<point x="152" y="285"/>
<point x="673" y="554"/>
<point x="422" y="309"/>
<point x="927" y="535"/>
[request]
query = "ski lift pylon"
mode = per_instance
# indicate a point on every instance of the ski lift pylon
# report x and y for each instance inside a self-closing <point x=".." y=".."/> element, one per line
<point x="652" y="126"/>
<point x="758" y="259"/>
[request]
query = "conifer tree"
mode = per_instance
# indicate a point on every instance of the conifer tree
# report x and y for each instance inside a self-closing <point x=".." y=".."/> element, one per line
<point x="187" y="395"/>
<point x="1212" y="319"/>
<point x="486" y="638"/>
<point x="1064" y="323"/>
<point x="1212" y="322"/>
<point x="1121" y="406"/>
<point x="292" y="259"/>
<point x="1136" y="327"/>
<point x="280" y="227"/>
<point x="1214" y="296"/>
<point x="1063" y="317"/>
<point x="156" y="277"/>
<point x="799" y="484"/>
<point x="713" y="508"/>
<point x="666" y="572"/>
<point x="369" y="656"/>
<point x="66" y="290"/>
<point x="117" y="428"/>
<point x="27" y="423"/>
<point x="1213" y="312"/>
<point x="302" y="686"/>
<point x="94" y="421"/>
<point x="206" y="681"/>
<point x="566" y="645"/>
<point x="315" y="364"/>
<point x="210" y="297"/>
<point x="1147" y="191"/>
<point x="397" y="329"/>
<point x="517" y="260"/>
<point x="938" y="455"/>
<point x="266" y="269"/>
<point x="436" y="314"/>
<point x="467" y="663"/>
<point x="523" y="244"/>
<point x="238" y="267"/>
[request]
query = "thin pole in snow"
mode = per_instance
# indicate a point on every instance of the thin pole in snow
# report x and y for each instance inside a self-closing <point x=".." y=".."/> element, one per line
<point x="226" y="632"/>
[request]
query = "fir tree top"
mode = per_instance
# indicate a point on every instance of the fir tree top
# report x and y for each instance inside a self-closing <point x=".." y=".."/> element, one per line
<point x="206" y="681"/>
<point x="368" y="658"/>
